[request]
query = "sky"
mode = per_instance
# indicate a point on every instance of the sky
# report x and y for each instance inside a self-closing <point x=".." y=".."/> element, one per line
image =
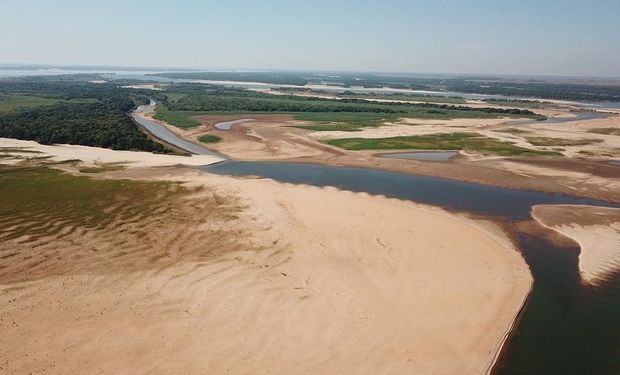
<point x="531" y="37"/>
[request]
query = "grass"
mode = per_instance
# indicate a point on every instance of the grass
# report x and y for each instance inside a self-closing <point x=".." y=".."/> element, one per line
<point x="180" y="119"/>
<point x="33" y="199"/>
<point x="605" y="131"/>
<point x="547" y="141"/>
<point x="24" y="101"/>
<point x="344" y="121"/>
<point x="15" y="102"/>
<point x="209" y="138"/>
<point x="470" y="142"/>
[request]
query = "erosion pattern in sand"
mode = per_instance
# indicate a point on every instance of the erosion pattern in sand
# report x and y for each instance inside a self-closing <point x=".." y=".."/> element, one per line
<point x="596" y="229"/>
<point x="252" y="276"/>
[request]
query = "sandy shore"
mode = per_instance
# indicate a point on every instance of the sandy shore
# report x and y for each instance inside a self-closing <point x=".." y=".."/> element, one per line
<point x="596" y="229"/>
<point x="96" y="155"/>
<point x="318" y="280"/>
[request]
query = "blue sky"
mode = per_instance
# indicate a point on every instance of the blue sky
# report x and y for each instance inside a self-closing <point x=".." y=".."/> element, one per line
<point x="568" y="37"/>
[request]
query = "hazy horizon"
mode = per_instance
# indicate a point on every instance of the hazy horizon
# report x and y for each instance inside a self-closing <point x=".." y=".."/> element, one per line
<point x="528" y="38"/>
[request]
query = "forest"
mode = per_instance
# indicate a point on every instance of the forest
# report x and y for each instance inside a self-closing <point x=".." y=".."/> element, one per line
<point x="101" y="121"/>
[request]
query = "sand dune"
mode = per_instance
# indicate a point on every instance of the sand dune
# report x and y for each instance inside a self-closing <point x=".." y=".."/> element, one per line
<point x="596" y="229"/>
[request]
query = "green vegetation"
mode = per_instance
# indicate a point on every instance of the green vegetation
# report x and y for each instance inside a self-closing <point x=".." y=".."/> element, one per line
<point x="521" y="103"/>
<point x="34" y="200"/>
<point x="405" y="97"/>
<point x="12" y="103"/>
<point x="16" y="102"/>
<point x="181" y="102"/>
<point x="606" y="131"/>
<point x="547" y="141"/>
<point x="209" y="138"/>
<point x="470" y="142"/>
<point x="61" y="110"/>
<point x="343" y="121"/>
<point x="181" y="119"/>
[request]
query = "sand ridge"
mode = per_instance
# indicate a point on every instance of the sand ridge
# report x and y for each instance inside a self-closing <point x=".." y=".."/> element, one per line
<point x="596" y="229"/>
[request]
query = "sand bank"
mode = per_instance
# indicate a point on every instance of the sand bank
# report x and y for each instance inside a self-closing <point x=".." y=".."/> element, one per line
<point x="323" y="281"/>
<point x="95" y="155"/>
<point x="596" y="229"/>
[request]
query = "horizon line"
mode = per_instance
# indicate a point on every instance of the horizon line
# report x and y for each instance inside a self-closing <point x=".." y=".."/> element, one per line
<point x="171" y="69"/>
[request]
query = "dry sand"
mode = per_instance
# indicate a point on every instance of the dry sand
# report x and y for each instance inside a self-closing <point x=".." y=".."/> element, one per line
<point x="596" y="229"/>
<point x="96" y="155"/>
<point x="319" y="281"/>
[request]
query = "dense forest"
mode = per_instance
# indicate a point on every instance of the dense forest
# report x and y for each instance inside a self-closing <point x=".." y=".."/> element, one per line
<point x="544" y="89"/>
<point x="102" y="123"/>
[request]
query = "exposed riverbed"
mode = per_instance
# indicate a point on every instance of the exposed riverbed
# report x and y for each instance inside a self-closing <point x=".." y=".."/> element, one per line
<point x="562" y="312"/>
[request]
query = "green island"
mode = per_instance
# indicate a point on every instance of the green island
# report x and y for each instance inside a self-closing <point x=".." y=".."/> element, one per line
<point x="472" y="142"/>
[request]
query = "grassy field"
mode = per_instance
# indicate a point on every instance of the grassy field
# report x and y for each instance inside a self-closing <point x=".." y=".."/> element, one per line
<point x="34" y="200"/>
<point x="209" y="138"/>
<point x="54" y="223"/>
<point x="180" y="119"/>
<point x="470" y="142"/>
<point x="14" y="102"/>
<point x="343" y="121"/>
<point x="547" y="141"/>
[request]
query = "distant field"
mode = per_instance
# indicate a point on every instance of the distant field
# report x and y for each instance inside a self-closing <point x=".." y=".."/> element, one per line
<point x="471" y="142"/>
<point x="343" y="121"/>
<point x="11" y="103"/>
<point x="181" y="119"/>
